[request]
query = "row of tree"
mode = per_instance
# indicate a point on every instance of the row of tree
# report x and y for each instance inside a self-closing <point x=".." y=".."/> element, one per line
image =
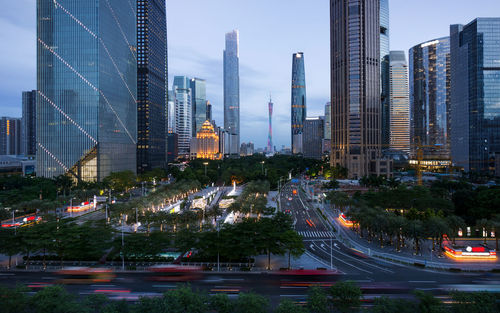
<point x="341" y="297"/>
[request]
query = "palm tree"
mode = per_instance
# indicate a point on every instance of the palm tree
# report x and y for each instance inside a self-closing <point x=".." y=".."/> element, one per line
<point x="484" y="225"/>
<point x="455" y="223"/>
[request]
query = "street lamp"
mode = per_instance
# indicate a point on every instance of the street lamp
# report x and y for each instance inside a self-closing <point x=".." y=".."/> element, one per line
<point x="262" y="167"/>
<point x="205" y="163"/>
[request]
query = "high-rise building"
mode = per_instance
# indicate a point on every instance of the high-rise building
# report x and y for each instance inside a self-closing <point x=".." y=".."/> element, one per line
<point x="151" y="84"/>
<point x="314" y="130"/>
<point x="87" y="88"/>
<point x="172" y="147"/>
<point x="183" y="114"/>
<point x="199" y="96"/>
<point x="171" y="112"/>
<point x="10" y="136"/>
<point x="270" y="147"/>
<point x="206" y="143"/>
<point x="247" y="149"/>
<point x="356" y="109"/>
<point x="28" y="123"/>
<point x="384" y="71"/>
<point x="299" y="112"/>
<point x="232" y="92"/>
<point x="209" y="111"/>
<point x="475" y="94"/>
<point x="399" y="101"/>
<point x="430" y="98"/>
<point x="328" y="121"/>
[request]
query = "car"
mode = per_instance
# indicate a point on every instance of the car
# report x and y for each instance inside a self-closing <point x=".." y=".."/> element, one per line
<point x="289" y="198"/>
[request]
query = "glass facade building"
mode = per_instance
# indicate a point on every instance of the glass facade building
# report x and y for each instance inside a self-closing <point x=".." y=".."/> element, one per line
<point x="475" y="94"/>
<point x="232" y="92"/>
<point x="430" y="82"/>
<point x="87" y="88"/>
<point x="199" y="96"/>
<point x="384" y="71"/>
<point x="151" y="84"/>
<point x="29" y="123"/>
<point x="355" y="87"/>
<point x="399" y="99"/>
<point x="314" y="129"/>
<point x="183" y="114"/>
<point x="10" y="136"/>
<point x="299" y="104"/>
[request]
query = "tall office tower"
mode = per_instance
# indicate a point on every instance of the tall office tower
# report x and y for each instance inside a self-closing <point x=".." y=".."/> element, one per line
<point x="270" y="147"/>
<point x="430" y="99"/>
<point x="209" y="111"/>
<point x="356" y="110"/>
<point x="183" y="114"/>
<point x="399" y="102"/>
<point x="328" y="121"/>
<point x="232" y="92"/>
<point x="87" y="88"/>
<point x="299" y="112"/>
<point x="171" y="112"/>
<point x="151" y="84"/>
<point x="28" y="123"/>
<point x="384" y="72"/>
<point x="314" y="130"/>
<point x="199" y="99"/>
<point x="10" y="136"/>
<point x="475" y="81"/>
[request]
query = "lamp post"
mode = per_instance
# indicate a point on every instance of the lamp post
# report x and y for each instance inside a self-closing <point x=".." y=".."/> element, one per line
<point x="205" y="163"/>
<point x="123" y="245"/>
<point x="262" y="167"/>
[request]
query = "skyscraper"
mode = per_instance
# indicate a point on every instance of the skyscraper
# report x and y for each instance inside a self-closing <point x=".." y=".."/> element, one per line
<point x="298" y="101"/>
<point x="270" y="147"/>
<point x="209" y="111"/>
<point x="28" y="123"/>
<point x="199" y="96"/>
<point x="328" y="121"/>
<point x="399" y="101"/>
<point x="384" y="71"/>
<point x="232" y="92"/>
<point x="430" y="98"/>
<point x="183" y="114"/>
<point x="151" y="84"/>
<point x="87" y="88"/>
<point x="475" y="81"/>
<point x="314" y="129"/>
<point x="10" y="136"/>
<point x="171" y="112"/>
<point x="356" y="109"/>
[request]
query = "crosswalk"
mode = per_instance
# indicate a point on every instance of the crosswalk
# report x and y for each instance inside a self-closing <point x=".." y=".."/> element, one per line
<point x="316" y="234"/>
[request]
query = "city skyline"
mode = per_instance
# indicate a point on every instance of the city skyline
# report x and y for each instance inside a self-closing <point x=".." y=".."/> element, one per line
<point x="199" y="54"/>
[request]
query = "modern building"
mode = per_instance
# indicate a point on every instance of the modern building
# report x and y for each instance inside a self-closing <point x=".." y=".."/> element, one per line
<point x="172" y="147"/>
<point x="328" y="121"/>
<point x="28" y="124"/>
<point x="314" y="130"/>
<point x="247" y="149"/>
<point x="430" y="99"/>
<point x="206" y="143"/>
<point x="209" y="111"/>
<point x="399" y="102"/>
<point x="232" y="92"/>
<point x="87" y="88"/>
<point x="16" y="165"/>
<point x="10" y="136"/>
<point x="475" y="94"/>
<point x="171" y="112"/>
<point x="384" y="72"/>
<point x="151" y="84"/>
<point x="355" y="79"/>
<point x="270" y="147"/>
<point x="299" y="112"/>
<point x="199" y="99"/>
<point x="183" y="114"/>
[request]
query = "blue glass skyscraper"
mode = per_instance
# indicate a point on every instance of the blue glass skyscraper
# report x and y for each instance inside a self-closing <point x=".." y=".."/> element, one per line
<point x="87" y="88"/>
<point x="199" y="98"/>
<point x="183" y="114"/>
<point x="151" y="84"/>
<point x="384" y="71"/>
<point x="232" y="92"/>
<point x="298" y="102"/>
<point x="475" y="94"/>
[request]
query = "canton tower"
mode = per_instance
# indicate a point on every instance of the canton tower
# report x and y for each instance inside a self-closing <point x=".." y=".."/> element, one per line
<point x="270" y="136"/>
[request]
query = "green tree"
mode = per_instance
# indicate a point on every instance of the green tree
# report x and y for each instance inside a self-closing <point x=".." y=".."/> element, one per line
<point x="484" y="226"/>
<point x="183" y="299"/>
<point x="428" y="303"/>
<point x="317" y="300"/>
<point x="345" y="296"/>
<point x="388" y="305"/>
<point x="13" y="300"/>
<point x="251" y="303"/>
<point x="121" y="181"/>
<point x="10" y="244"/>
<point x="477" y="302"/>
<point x="287" y="306"/>
<point x="54" y="299"/>
<point x="220" y="303"/>
<point x="455" y="223"/>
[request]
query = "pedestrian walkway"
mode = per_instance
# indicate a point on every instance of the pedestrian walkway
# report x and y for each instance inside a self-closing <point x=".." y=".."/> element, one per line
<point x="316" y="234"/>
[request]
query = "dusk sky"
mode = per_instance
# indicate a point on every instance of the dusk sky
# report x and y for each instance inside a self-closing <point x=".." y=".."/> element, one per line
<point x="270" y="32"/>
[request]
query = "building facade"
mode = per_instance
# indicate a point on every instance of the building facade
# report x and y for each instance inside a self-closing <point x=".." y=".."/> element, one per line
<point x="247" y="149"/>
<point x="28" y="123"/>
<point x="199" y="96"/>
<point x="355" y="79"/>
<point x="151" y="84"/>
<point x="314" y="130"/>
<point x="232" y="92"/>
<point x="475" y="94"/>
<point x="299" y="104"/>
<point x="430" y="83"/>
<point x="183" y="114"/>
<point x="87" y="88"/>
<point x="207" y="143"/>
<point x="10" y="136"/>
<point x="384" y="72"/>
<point x="399" y="100"/>
<point x="209" y="111"/>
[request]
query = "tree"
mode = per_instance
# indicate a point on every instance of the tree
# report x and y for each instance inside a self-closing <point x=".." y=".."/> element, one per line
<point x="10" y="244"/>
<point x="428" y="303"/>
<point x="455" y="223"/>
<point x="294" y="244"/>
<point x="251" y="303"/>
<point x="346" y="296"/>
<point x="54" y="299"/>
<point x="121" y="181"/>
<point x="388" y="305"/>
<point x="317" y="300"/>
<point x="183" y="299"/>
<point x="220" y="303"/>
<point x="484" y="226"/>
<point x="287" y="306"/>
<point x="13" y="300"/>
<point x="480" y="302"/>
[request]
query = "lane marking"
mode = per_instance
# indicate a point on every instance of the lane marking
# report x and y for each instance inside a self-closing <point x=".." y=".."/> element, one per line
<point x="422" y="281"/>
